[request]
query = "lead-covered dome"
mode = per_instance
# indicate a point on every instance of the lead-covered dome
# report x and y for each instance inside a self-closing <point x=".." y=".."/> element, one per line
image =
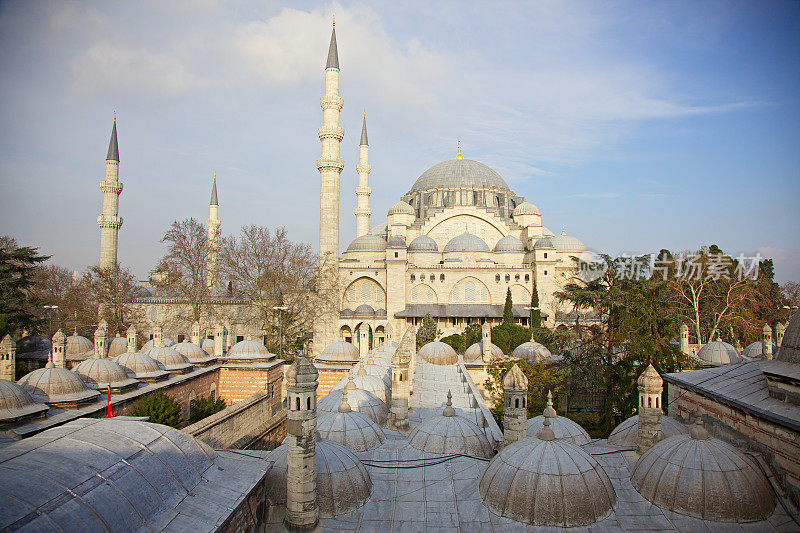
<point x="474" y="353"/>
<point x="509" y="244"/>
<point x="466" y="242"/>
<point x="142" y="367"/>
<point x="755" y="350"/>
<point x="544" y="243"/>
<point x="627" y="432"/>
<point x="102" y="373"/>
<point x="438" y="353"/>
<point x="459" y="174"/>
<point x="567" y="243"/>
<point x="16" y="403"/>
<point x="532" y="351"/>
<point x="359" y="400"/>
<point x="367" y="243"/>
<point x="349" y="428"/>
<point x="704" y="477"/>
<point x="57" y="386"/>
<point x="343" y="483"/>
<point x="170" y="359"/>
<point x="423" y="243"/>
<point x="339" y="352"/>
<point x="149" y="344"/>
<point x="718" y="353"/>
<point x="449" y="433"/>
<point x="117" y="346"/>
<point x="401" y="208"/>
<point x="192" y="352"/>
<point x="249" y="349"/>
<point x="526" y="208"/>
<point x="561" y="427"/>
<point x="77" y="344"/>
<point x="361" y="379"/>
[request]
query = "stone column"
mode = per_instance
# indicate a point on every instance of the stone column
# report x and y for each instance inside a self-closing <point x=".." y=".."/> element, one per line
<point x="398" y="418"/>
<point x="60" y="350"/>
<point x="780" y="331"/>
<point x="766" y="341"/>
<point x="685" y="340"/>
<point x="650" y="388"/>
<point x="486" y="342"/>
<point x="196" y="333"/>
<point x="100" y="348"/>
<point x="515" y="405"/>
<point x="301" y="422"/>
<point x="8" y="358"/>
<point x="131" y="334"/>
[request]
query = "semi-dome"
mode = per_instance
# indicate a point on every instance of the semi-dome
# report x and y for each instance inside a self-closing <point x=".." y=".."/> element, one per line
<point x="567" y="243"/>
<point x="544" y="243"/>
<point x="703" y="477"/>
<point x="790" y="346"/>
<point x="509" y="244"/>
<point x="343" y="483"/>
<point x="117" y="346"/>
<point x="466" y="242"/>
<point x="526" y="208"/>
<point x="249" y="349"/>
<point x="361" y="379"/>
<point x="367" y="243"/>
<point x="170" y="359"/>
<point x="103" y="373"/>
<point x="532" y="351"/>
<point x="449" y="433"/>
<point x="423" y="243"/>
<point x="76" y="344"/>
<point x="401" y="208"/>
<point x="459" y="174"/>
<point x="755" y="350"/>
<point x="142" y="367"/>
<point x="340" y="351"/>
<point x="381" y="230"/>
<point x="547" y="482"/>
<point x="360" y="400"/>
<point x="718" y="353"/>
<point x="627" y="432"/>
<point x="562" y="427"/>
<point x="149" y="344"/>
<point x="58" y="387"/>
<point x="192" y="352"/>
<point x="438" y="353"/>
<point x="352" y="429"/>
<point x="396" y="241"/>
<point x="17" y="404"/>
<point x="474" y="353"/>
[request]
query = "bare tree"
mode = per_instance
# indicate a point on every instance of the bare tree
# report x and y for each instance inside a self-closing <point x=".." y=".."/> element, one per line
<point x="109" y="289"/>
<point x="185" y="264"/>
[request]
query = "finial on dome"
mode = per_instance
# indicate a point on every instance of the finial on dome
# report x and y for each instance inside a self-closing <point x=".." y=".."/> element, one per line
<point x="361" y="371"/>
<point x="344" y="407"/>
<point x="334" y="21"/>
<point x="50" y="360"/>
<point x="350" y="383"/>
<point x="448" y="408"/>
<point x="371" y="360"/>
<point x="549" y="411"/>
<point x="698" y="431"/>
<point x="459" y="156"/>
<point x="546" y="433"/>
<point x="563" y="229"/>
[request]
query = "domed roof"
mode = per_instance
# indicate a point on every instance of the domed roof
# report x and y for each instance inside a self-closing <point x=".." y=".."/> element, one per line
<point x="401" y="208"/>
<point x="423" y="243"/>
<point x="249" y="349"/>
<point x="755" y="350"/>
<point x="149" y="344"/>
<point x="361" y="379"/>
<point x="526" y="208"/>
<point x="466" y="242"/>
<point x="378" y="366"/>
<point x="547" y="482"/>
<point x="532" y="351"/>
<point x="117" y="346"/>
<point x="343" y="483"/>
<point x="567" y="243"/>
<point x="438" y="353"/>
<point x="381" y="230"/>
<point x="57" y="386"/>
<point x="718" y="353"/>
<point x="396" y="241"/>
<point x="509" y="244"/>
<point x="339" y="352"/>
<point x="367" y="243"/>
<point x="458" y="174"/>
<point x="475" y="352"/>
<point x="172" y="360"/>
<point x="301" y="372"/>
<point x="790" y="346"/>
<point x="562" y="427"/>
<point x="35" y="346"/>
<point x="350" y="428"/>
<point x="192" y="352"/>
<point x="207" y="346"/>
<point x="703" y="477"/>
<point x="77" y="344"/>
<point x="360" y="400"/>
<point x="627" y="432"/>
<point x="544" y="243"/>
<point x="140" y="366"/>
<point x="449" y="433"/>
<point x="100" y="373"/>
<point x="364" y="310"/>
<point x="16" y="403"/>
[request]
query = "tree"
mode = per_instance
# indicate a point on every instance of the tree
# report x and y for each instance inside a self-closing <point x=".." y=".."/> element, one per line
<point x="110" y="288"/>
<point x="508" y="309"/>
<point x="19" y="309"/>
<point x="160" y="408"/>
<point x="202" y="407"/>
<point x="536" y="313"/>
<point x="427" y="331"/>
<point x="508" y="336"/>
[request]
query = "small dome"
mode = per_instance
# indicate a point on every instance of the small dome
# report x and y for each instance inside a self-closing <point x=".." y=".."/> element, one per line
<point x="367" y="243"/>
<point x="249" y="350"/>
<point x="363" y="380"/>
<point x="718" y="353"/>
<point x="360" y="400"/>
<point x="466" y="242"/>
<point x="343" y="483"/>
<point x="208" y="346"/>
<point x="352" y="429"/>
<point x="140" y="366"/>
<point x="37" y="345"/>
<point x="790" y="346"/>
<point x="755" y="350"/>
<point x="378" y="366"/>
<point x="459" y="174"/>
<point x="396" y="242"/>
<point x="526" y="208"/>
<point x="544" y="243"/>
<point x="532" y="351"/>
<point x="77" y="344"/>
<point x="547" y="483"/>
<point x="563" y="428"/>
<point x="401" y="208"/>
<point x="149" y="344"/>
<point x="16" y="403"/>
<point x="117" y="346"/>
<point x="101" y="373"/>
<point x="703" y="477"/>
<point x="381" y="230"/>
<point x="346" y="312"/>
<point x="364" y="310"/>
<point x="57" y="386"/>
<point x="192" y="352"/>
<point x="423" y="243"/>
<point x="627" y="433"/>
<point x="509" y="244"/>
<point x="339" y="352"/>
<point x="474" y="353"/>
<point x="438" y="353"/>
<point x="449" y="433"/>
<point x="567" y="243"/>
<point x="172" y="360"/>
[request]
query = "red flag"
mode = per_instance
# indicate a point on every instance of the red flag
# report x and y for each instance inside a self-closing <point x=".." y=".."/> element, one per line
<point x="110" y="411"/>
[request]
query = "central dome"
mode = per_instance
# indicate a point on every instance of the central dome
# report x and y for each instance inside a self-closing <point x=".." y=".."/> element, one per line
<point x="459" y="174"/>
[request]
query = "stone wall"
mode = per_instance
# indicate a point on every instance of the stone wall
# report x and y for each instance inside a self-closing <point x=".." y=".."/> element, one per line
<point x="251" y="514"/>
<point x="237" y="383"/>
<point x="328" y="377"/>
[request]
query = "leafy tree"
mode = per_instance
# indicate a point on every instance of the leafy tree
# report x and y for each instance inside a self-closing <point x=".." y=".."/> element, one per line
<point x="19" y="309"/>
<point x="427" y="331"/>
<point x="160" y="408"/>
<point x="460" y="342"/>
<point x="456" y="342"/>
<point x="536" y="313"/>
<point x="508" y="336"/>
<point x="203" y="407"/>
<point x="508" y="309"/>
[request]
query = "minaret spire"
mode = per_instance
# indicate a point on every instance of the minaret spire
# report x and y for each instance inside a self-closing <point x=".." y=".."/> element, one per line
<point x="113" y="149"/>
<point x="213" y="223"/>
<point x="333" y="51"/>
<point x="109" y="220"/>
<point x="363" y="191"/>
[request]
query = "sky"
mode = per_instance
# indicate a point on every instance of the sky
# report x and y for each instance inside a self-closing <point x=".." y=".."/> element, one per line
<point x="635" y="126"/>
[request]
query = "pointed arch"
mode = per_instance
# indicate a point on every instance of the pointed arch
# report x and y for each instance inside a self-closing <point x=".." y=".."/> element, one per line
<point x="470" y="290"/>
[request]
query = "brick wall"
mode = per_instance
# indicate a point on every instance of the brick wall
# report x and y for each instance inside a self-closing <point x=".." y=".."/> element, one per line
<point x="239" y="383"/>
<point x="328" y="378"/>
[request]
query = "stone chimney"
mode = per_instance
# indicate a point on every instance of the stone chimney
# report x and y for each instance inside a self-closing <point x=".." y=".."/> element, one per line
<point x="100" y="345"/>
<point x="486" y="342"/>
<point x="219" y="340"/>
<point x="196" y="333"/>
<point x="650" y="388"/>
<point x="60" y="349"/>
<point x="685" y="340"/>
<point x="8" y="358"/>
<point x="766" y="341"/>
<point x="131" y="334"/>
<point x="780" y="330"/>
<point x="158" y="337"/>
<point x="515" y="405"/>
<point x="398" y="417"/>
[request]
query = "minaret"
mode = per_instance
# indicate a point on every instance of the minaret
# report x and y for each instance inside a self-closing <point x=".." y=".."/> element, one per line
<point x="213" y="224"/>
<point x="515" y="410"/>
<point x="59" y="359"/>
<point x="330" y="166"/>
<point x="301" y="424"/>
<point x="401" y="360"/>
<point x="8" y="358"/>
<point x="650" y="387"/>
<point x="109" y="220"/>
<point x="363" y="191"/>
<point x="766" y="341"/>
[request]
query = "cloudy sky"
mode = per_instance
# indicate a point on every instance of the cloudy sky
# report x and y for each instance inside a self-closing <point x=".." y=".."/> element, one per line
<point x="635" y="125"/>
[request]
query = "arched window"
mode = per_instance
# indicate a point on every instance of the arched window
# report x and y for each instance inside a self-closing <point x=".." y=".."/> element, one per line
<point x="308" y="403"/>
<point x="649" y="402"/>
<point x="657" y="402"/>
<point x="516" y="402"/>
<point x="642" y="401"/>
<point x="297" y="403"/>
<point x="401" y="377"/>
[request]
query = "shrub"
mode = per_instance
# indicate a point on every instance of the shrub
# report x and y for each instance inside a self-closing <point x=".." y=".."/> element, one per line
<point x="160" y="408"/>
<point x="199" y="408"/>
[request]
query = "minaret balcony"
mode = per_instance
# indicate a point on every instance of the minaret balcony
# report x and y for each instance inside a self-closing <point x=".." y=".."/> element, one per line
<point x="115" y="187"/>
<point x="362" y="211"/>
<point x="363" y="168"/>
<point x="109" y="221"/>
<point x="331" y="133"/>
<point x="366" y="191"/>
<point x="333" y="101"/>
<point x="330" y="163"/>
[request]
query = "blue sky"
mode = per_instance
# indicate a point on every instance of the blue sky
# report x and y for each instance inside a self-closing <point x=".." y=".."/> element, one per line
<point x="636" y="125"/>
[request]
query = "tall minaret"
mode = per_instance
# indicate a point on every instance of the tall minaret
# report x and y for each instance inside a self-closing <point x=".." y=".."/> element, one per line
<point x="109" y="220"/>
<point x="330" y="166"/>
<point x="363" y="191"/>
<point x="213" y="224"/>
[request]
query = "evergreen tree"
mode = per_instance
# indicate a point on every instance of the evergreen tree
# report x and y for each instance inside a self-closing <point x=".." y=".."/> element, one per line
<point x="536" y="313"/>
<point x="18" y="267"/>
<point x="201" y="407"/>
<point x="427" y="332"/>
<point x="508" y="310"/>
<point x="160" y="408"/>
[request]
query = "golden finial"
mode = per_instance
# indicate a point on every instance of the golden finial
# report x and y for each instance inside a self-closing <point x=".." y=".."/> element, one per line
<point x="115" y="116"/>
<point x="459" y="156"/>
<point x="334" y="21"/>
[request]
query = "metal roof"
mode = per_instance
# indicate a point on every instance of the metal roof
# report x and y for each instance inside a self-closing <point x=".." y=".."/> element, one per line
<point x="460" y="310"/>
